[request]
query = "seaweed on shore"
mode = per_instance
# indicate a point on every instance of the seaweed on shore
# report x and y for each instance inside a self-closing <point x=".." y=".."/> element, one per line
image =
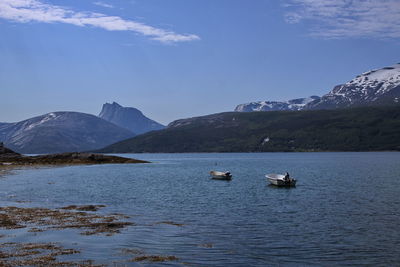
<point x="37" y="254"/>
<point x="141" y="256"/>
<point x="84" y="207"/>
<point x="154" y="258"/>
<point x="170" y="223"/>
<point x="41" y="219"/>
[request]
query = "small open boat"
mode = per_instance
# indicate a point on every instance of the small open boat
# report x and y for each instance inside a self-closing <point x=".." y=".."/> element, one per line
<point x="221" y="175"/>
<point x="279" y="180"/>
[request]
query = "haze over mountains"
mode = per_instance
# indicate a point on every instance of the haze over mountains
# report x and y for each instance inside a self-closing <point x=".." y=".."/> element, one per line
<point x="376" y="87"/>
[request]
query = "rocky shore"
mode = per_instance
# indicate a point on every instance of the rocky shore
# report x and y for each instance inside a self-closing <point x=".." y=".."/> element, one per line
<point x="84" y="220"/>
<point x="11" y="158"/>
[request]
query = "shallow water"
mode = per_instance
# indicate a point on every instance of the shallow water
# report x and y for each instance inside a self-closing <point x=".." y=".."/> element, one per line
<point x="344" y="211"/>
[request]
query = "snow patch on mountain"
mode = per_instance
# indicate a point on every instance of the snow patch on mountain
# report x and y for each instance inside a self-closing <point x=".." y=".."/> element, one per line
<point x="294" y="104"/>
<point x="372" y="83"/>
<point x="375" y="86"/>
<point x="47" y="117"/>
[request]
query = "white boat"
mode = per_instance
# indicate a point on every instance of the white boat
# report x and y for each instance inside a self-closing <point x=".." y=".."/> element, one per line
<point x="220" y="175"/>
<point x="279" y="180"/>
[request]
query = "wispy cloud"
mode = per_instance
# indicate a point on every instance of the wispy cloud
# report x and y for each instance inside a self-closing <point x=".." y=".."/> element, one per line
<point x="24" y="11"/>
<point x="347" y="18"/>
<point x="102" y="4"/>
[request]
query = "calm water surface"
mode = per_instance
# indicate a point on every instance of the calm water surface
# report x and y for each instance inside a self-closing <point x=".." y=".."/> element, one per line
<point x="344" y="211"/>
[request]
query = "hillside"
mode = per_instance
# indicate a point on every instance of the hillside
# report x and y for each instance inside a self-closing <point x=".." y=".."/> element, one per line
<point x="358" y="129"/>
<point x="61" y="132"/>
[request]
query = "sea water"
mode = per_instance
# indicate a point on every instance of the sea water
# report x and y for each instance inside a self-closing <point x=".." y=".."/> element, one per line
<point x="345" y="209"/>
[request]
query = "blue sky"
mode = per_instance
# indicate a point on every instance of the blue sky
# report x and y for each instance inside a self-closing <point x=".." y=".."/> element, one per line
<point x="182" y="58"/>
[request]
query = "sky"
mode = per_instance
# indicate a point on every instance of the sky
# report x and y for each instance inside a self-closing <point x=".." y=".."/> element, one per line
<point x="183" y="58"/>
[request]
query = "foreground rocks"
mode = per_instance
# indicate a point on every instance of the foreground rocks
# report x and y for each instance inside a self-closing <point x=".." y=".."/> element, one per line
<point x="37" y="254"/>
<point x="37" y="220"/>
<point x="83" y="218"/>
<point x="9" y="157"/>
<point x="71" y="217"/>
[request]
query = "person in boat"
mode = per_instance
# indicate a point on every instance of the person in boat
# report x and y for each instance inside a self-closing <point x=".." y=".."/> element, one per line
<point x="287" y="177"/>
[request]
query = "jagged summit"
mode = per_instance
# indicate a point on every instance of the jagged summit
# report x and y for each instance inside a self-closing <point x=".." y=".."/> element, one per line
<point x="128" y="118"/>
<point x="114" y="104"/>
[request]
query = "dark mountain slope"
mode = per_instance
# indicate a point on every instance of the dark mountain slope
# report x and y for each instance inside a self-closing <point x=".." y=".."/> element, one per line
<point x="359" y="129"/>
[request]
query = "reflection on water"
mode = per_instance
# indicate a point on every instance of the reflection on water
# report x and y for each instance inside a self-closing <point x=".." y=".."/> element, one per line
<point x="344" y="210"/>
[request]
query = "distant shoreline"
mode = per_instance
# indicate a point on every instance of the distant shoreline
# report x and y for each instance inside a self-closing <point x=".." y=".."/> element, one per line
<point x="10" y="159"/>
<point x="257" y="152"/>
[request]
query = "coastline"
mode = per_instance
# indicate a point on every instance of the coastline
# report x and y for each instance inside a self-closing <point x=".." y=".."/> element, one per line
<point x="12" y="159"/>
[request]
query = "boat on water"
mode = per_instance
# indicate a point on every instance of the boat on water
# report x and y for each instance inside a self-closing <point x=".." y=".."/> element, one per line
<point x="217" y="175"/>
<point x="280" y="180"/>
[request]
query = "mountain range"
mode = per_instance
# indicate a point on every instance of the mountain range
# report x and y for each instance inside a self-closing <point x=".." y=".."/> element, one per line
<point x="61" y="132"/>
<point x="375" y="87"/>
<point x="356" y="115"/>
<point x="355" y="129"/>
<point x="353" y="116"/>
<point x="58" y="132"/>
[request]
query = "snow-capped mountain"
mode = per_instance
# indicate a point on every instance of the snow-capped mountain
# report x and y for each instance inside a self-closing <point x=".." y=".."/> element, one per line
<point x="61" y="132"/>
<point x="129" y="118"/>
<point x="294" y="104"/>
<point x="375" y="87"/>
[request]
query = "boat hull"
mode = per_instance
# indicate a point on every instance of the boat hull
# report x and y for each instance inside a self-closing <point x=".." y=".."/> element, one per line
<point x="227" y="178"/>
<point x="279" y="180"/>
<point x="220" y="176"/>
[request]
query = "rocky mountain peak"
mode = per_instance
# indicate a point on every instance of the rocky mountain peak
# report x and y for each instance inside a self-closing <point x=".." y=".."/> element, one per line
<point x="108" y="110"/>
<point x="113" y="105"/>
<point x="129" y="118"/>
